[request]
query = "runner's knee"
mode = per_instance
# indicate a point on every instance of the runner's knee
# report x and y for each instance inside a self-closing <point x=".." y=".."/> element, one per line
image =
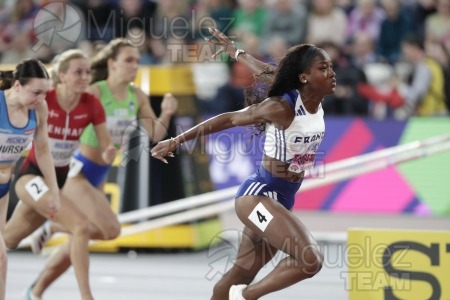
<point x="11" y="245"/>
<point x="312" y="261"/>
<point x="82" y="228"/>
<point x="10" y="242"/>
<point x="112" y="230"/>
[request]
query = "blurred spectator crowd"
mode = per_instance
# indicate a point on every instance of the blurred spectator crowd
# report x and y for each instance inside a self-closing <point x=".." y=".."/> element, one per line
<point x="391" y="57"/>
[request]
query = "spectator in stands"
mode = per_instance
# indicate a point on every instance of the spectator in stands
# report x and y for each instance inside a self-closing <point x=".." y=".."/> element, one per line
<point x="230" y="97"/>
<point x="16" y="31"/>
<point x="287" y="19"/>
<point x="346" y="5"/>
<point x="437" y="25"/>
<point x="249" y="17"/>
<point x="419" y="10"/>
<point x="346" y="100"/>
<point x="362" y="50"/>
<point x="64" y="32"/>
<point x="326" y="22"/>
<point x="277" y="48"/>
<point x="138" y="37"/>
<point x="102" y="19"/>
<point x="441" y="53"/>
<point x="134" y="13"/>
<point x="425" y="95"/>
<point x="365" y="17"/>
<point x="168" y="28"/>
<point x="394" y="28"/>
<point x="219" y="13"/>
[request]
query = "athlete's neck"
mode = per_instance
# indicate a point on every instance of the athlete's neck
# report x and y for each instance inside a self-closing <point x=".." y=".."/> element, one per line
<point x="12" y="101"/>
<point x="310" y="101"/>
<point x="67" y="99"/>
<point x="118" y="87"/>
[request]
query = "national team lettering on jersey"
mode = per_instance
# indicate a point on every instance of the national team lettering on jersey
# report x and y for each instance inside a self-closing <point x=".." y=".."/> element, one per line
<point x="121" y="116"/>
<point x="298" y="144"/>
<point x="65" y="128"/>
<point x="12" y="146"/>
<point x="13" y="140"/>
<point x="62" y="150"/>
<point x="118" y="126"/>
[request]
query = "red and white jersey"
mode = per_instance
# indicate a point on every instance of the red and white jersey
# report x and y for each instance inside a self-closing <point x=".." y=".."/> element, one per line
<point x="65" y="128"/>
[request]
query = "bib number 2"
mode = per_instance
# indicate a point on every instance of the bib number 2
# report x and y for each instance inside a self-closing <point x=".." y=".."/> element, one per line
<point x="260" y="216"/>
<point x="36" y="187"/>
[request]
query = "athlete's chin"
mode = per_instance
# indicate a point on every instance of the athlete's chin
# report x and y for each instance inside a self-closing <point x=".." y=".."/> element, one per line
<point x="34" y="104"/>
<point x="331" y="91"/>
<point x="80" y="89"/>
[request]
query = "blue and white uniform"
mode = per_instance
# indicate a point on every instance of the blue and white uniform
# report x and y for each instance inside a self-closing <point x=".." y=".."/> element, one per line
<point x="13" y="140"/>
<point x="296" y="145"/>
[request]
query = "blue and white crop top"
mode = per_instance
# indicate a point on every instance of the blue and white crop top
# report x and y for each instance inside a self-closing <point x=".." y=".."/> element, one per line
<point x="296" y="145"/>
<point x="14" y="140"/>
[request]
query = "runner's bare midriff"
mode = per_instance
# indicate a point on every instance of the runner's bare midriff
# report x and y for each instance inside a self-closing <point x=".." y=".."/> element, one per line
<point x="6" y="171"/>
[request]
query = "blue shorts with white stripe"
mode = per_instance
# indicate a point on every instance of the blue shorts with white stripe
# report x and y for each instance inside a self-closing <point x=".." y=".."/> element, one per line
<point x="264" y="183"/>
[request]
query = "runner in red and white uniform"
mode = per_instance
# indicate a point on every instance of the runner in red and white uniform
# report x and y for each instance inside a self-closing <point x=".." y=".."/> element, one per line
<point x="71" y="110"/>
<point x="64" y="130"/>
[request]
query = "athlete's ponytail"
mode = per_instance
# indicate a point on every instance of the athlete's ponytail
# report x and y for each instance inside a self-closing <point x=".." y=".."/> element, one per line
<point x="6" y="79"/>
<point x="24" y="72"/>
<point x="99" y="64"/>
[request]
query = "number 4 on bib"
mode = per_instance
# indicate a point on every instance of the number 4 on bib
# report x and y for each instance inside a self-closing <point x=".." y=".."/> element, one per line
<point x="260" y="216"/>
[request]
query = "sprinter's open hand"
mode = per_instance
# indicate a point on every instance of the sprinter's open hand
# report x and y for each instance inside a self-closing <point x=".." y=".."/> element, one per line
<point x="165" y="148"/>
<point x="226" y="45"/>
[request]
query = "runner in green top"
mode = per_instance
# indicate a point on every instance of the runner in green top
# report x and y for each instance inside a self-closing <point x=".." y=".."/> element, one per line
<point x="114" y="69"/>
<point x="120" y="114"/>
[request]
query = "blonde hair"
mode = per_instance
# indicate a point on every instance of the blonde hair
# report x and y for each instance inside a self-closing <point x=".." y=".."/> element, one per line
<point x="60" y="63"/>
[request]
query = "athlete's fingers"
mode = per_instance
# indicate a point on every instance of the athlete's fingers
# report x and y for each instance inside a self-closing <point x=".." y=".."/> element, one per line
<point x="217" y="53"/>
<point x="160" y="157"/>
<point x="218" y="34"/>
<point x="215" y="43"/>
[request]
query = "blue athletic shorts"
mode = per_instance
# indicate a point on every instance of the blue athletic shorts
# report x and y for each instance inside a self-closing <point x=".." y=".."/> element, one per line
<point x="264" y="183"/>
<point x="4" y="188"/>
<point x="96" y="174"/>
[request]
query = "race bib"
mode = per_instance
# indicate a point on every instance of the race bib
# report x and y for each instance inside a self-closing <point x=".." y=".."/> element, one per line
<point x="261" y="217"/>
<point x="62" y="151"/>
<point x="36" y="187"/>
<point x="75" y="167"/>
